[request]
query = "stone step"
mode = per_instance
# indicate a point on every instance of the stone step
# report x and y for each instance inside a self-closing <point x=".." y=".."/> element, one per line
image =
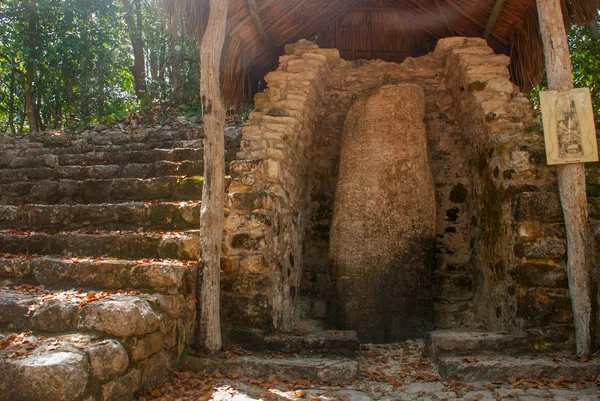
<point x="102" y="191"/>
<point x="79" y="366"/>
<point x="49" y="156"/>
<point x="143" y="139"/>
<point x="328" y="369"/>
<point x="103" y="171"/>
<point x="57" y="368"/>
<point x="444" y="343"/>
<point x="104" y="137"/>
<point x="507" y="368"/>
<point x="117" y="244"/>
<point x="116" y="314"/>
<point x="162" y="275"/>
<point x="106" y="216"/>
<point x="36" y="149"/>
<point x="331" y="342"/>
<point x="117" y="157"/>
<point x="120" y="158"/>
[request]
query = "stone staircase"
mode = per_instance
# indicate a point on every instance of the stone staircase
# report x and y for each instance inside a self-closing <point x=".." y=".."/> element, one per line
<point x="478" y="356"/>
<point x="98" y="238"/>
<point x="324" y="356"/>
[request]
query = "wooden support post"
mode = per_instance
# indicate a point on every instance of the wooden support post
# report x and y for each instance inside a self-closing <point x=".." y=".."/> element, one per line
<point x="571" y="180"/>
<point x="211" y="214"/>
<point x="493" y="18"/>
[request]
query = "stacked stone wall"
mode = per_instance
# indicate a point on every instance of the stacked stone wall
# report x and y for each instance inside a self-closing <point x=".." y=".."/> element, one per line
<point x="266" y="210"/>
<point x="500" y="241"/>
<point x="519" y="247"/>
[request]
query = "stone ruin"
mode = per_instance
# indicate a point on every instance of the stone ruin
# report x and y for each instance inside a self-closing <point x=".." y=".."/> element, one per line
<point x="487" y="227"/>
<point x="390" y="199"/>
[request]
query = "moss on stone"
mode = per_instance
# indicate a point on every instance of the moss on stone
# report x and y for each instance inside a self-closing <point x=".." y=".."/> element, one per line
<point x="189" y="187"/>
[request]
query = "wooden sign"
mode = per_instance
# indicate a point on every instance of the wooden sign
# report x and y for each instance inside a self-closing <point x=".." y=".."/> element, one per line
<point x="569" y="129"/>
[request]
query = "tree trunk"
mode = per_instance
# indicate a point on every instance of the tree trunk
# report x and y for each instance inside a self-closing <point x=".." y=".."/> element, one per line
<point x="138" y="70"/>
<point x="593" y="25"/>
<point x="11" y="101"/>
<point x="101" y="97"/>
<point x="571" y="180"/>
<point x="177" y="58"/>
<point x="211" y="215"/>
<point x="31" y="7"/>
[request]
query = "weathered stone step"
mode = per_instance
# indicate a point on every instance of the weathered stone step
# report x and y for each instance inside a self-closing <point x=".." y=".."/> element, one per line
<point x="35" y="308"/>
<point x="105" y="137"/>
<point x="325" y="369"/>
<point x="79" y="147"/>
<point x="103" y="171"/>
<point x="442" y="343"/>
<point x="102" y="191"/>
<point x="503" y="368"/>
<point x="109" y="157"/>
<point x="161" y="275"/>
<point x="118" y="244"/>
<point x="149" y="138"/>
<point x="332" y="342"/>
<point x="125" y="216"/>
<point x="36" y="155"/>
<point x="76" y="366"/>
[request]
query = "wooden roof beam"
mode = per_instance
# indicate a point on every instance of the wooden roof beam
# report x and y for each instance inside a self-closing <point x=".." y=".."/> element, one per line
<point x="254" y="13"/>
<point x="493" y="18"/>
<point x="241" y="24"/>
<point x="444" y="17"/>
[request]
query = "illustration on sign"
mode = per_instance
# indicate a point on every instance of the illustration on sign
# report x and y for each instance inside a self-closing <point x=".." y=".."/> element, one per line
<point x="569" y="129"/>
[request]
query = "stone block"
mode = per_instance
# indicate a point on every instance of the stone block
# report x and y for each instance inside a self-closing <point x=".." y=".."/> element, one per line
<point x="248" y="242"/>
<point x="121" y="316"/>
<point x="244" y="167"/>
<point x="541" y="307"/>
<point x="107" y="359"/>
<point x="179" y="246"/>
<point x="542" y="248"/>
<point x="122" y="388"/>
<point x="155" y="275"/>
<point x="15" y="268"/>
<point x="155" y="370"/>
<point x="247" y="221"/>
<point x="247" y="311"/>
<point x="253" y="264"/>
<point x="549" y="275"/>
<point x="539" y="206"/>
<point x="142" y="348"/>
<point x="54" y="316"/>
<point x="247" y="284"/>
<point x="55" y="376"/>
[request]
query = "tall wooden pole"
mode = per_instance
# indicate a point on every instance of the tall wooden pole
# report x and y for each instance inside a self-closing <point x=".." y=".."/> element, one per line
<point x="211" y="215"/>
<point x="571" y="180"/>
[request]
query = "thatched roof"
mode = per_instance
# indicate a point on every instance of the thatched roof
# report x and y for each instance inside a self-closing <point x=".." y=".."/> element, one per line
<point x="373" y="29"/>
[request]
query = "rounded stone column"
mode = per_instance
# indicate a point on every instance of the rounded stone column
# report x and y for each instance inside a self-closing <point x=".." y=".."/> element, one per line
<point x="383" y="229"/>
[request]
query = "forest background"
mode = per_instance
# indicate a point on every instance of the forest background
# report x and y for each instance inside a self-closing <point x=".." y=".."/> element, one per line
<point x="68" y="64"/>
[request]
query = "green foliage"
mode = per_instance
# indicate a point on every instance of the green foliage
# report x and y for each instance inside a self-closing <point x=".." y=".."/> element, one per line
<point x="82" y="55"/>
<point x="585" y="59"/>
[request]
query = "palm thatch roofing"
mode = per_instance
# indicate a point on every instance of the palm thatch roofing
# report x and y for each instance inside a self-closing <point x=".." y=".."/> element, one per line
<point x="391" y="30"/>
